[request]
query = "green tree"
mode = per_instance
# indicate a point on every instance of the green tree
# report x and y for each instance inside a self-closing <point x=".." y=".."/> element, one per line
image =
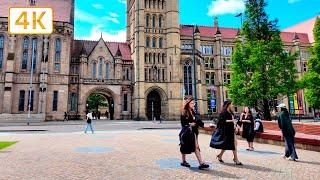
<point x="96" y="100"/>
<point x="311" y="80"/>
<point x="261" y="69"/>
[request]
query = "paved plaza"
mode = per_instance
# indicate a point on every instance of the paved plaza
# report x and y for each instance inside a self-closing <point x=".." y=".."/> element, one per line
<point x="135" y="150"/>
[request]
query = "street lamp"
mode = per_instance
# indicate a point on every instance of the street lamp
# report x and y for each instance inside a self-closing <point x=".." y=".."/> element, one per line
<point x="30" y="83"/>
<point x="194" y="28"/>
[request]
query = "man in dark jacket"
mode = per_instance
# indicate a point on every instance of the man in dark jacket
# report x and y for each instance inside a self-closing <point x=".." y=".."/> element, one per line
<point x="288" y="132"/>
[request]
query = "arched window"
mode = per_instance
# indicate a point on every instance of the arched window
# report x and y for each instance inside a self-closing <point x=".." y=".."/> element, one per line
<point x="159" y="4"/>
<point x="34" y="52"/>
<point x="150" y="58"/>
<point x="187" y="78"/>
<point x="146" y="58"/>
<point x="57" y="58"/>
<point x="94" y="70"/>
<point x="163" y="58"/>
<point x="149" y="3"/>
<point x="100" y="68"/>
<point x="107" y="71"/>
<point x="160" y="42"/>
<point x="154" y="3"/>
<point x="160" y="21"/>
<point x="154" y="58"/>
<point x="148" y="42"/>
<point x="154" y="42"/>
<point x="159" y="58"/>
<point x="25" y="56"/>
<point x="154" y="21"/>
<point x="73" y="101"/>
<point x="147" y="20"/>
<point x="163" y="4"/>
<point x="1" y="50"/>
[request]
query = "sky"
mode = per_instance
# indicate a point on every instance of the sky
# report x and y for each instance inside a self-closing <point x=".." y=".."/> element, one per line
<point x="93" y="17"/>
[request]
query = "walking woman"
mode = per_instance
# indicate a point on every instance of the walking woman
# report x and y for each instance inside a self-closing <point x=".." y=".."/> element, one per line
<point x="224" y="137"/>
<point x="247" y="122"/>
<point x="288" y="132"/>
<point x="189" y="133"/>
<point x="89" y="122"/>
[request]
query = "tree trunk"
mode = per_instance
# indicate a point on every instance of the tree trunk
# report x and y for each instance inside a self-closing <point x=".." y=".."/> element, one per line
<point x="266" y="110"/>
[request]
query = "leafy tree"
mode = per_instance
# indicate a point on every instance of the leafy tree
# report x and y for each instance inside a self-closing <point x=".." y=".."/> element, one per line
<point x="311" y="80"/>
<point x="261" y="69"/>
<point x="96" y="100"/>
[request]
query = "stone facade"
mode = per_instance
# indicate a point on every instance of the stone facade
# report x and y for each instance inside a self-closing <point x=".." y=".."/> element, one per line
<point x="144" y="78"/>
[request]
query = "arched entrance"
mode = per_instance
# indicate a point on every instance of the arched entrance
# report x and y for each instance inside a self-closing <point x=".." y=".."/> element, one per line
<point x="101" y="105"/>
<point x="153" y="105"/>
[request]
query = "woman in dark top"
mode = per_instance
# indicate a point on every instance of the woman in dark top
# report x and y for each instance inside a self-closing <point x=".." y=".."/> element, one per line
<point x="224" y="137"/>
<point x="189" y="133"/>
<point x="247" y="122"/>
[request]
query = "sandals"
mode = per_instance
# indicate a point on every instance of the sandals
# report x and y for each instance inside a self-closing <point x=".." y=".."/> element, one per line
<point x="220" y="159"/>
<point x="185" y="164"/>
<point x="237" y="163"/>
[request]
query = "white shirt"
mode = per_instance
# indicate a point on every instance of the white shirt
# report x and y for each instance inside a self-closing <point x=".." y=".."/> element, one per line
<point x="89" y="115"/>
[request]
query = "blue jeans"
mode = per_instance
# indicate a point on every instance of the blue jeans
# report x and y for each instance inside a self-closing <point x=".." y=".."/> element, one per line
<point x="290" y="150"/>
<point x="89" y="125"/>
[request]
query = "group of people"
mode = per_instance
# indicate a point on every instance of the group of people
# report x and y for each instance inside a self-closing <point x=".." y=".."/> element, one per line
<point x="224" y="138"/>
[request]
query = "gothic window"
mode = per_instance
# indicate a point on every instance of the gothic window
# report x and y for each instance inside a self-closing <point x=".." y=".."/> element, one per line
<point x="145" y="74"/>
<point x="154" y="42"/>
<point x="125" y="102"/>
<point x="154" y="3"/>
<point x="146" y="58"/>
<point x="163" y="75"/>
<point x="160" y="42"/>
<point x="159" y="58"/>
<point x="148" y="41"/>
<point x="150" y="58"/>
<point x="1" y="50"/>
<point x="147" y="20"/>
<point x="160" y="21"/>
<point x="25" y="51"/>
<point x="22" y="100"/>
<point x="149" y="3"/>
<point x="107" y="70"/>
<point x="57" y="59"/>
<point x="100" y="68"/>
<point x="162" y="4"/>
<point x="227" y="78"/>
<point x="187" y="78"/>
<point x="154" y="58"/>
<point x="94" y="70"/>
<point x="73" y="102"/>
<point x="210" y="78"/>
<point x="163" y="58"/>
<point x="159" y="4"/>
<point x="55" y="100"/>
<point x="34" y="52"/>
<point x="154" y="21"/>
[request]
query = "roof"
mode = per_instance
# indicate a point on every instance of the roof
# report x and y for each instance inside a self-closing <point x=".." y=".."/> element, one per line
<point x="231" y="33"/>
<point x="87" y="46"/>
<point x="306" y="27"/>
<point x="63" y="9"/>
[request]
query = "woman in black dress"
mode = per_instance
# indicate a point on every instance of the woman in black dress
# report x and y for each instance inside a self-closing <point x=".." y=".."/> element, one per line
<point x="224" y="137"/>
<point x="189" y="133"/>
<point x="247" y="122"/>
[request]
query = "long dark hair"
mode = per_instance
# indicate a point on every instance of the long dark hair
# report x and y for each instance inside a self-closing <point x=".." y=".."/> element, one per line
<point x="226" y="104"/>
<point x="244" y="112"/>
<point x="185" y="110"/>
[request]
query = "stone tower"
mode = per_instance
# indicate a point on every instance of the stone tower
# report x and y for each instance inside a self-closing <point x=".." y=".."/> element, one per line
<point x="153" y="32"/>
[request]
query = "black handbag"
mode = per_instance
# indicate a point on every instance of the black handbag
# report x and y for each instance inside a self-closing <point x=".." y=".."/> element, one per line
<point x="218" y="138"/>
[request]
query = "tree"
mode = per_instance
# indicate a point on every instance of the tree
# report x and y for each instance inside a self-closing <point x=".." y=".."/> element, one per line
<point x="96" y="100"/>
<point x="311" y="80"/>
<point x="261" y="69"/>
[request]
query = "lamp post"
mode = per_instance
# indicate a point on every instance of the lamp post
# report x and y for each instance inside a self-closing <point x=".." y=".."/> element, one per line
<point x="30" y="82"/>
<point x="194" y="71"/>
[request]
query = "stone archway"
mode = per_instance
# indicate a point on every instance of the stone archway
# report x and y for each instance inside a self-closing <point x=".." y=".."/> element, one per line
<point x="156" y="103"/>
<point x="113" y="101"/>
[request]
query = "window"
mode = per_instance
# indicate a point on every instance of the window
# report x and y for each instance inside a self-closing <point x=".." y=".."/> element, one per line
<point x="154" y="58"/>
<point x="100" y="68"/>
<point x="147" y="20"/>
<point x="145" y="3"/>
<point x="163" y="58"/>
<point x="94" y="70"/>
<point x="162" y="4"/>
<point x="55" y="101"/>
<point x="154" y="3"/>
<point x="207" y="50"/>
<point x="107" y="71"/>
<point x="1" y="50"/>
<point x="34" y="52"/>
<point x="160" y="21"/>
<point x="186" y="46"/>
<point x="149" y="74"/>
<point x="154" y="21"/>
<point x="163" y="75"/>
<point x="125" y="102"/>
<point x="210" y="78"/>
<point x="126" y="74"/>
<point x="148" y="41"/>
<point x="57" y="59"/>
<point x="227" y="78"/>
<point x="160" y="42"/>
<point x="226" y="51"/>
<point x="22" y="100"/>
<point x="31" y="96"/>
<point x="150" y="58"/>
<point x="73" y="102"/>
<point x="25" y="51"/>
<point x="159" y="58"/>
<point x="305" y="67"/>
<point x="145" y="74"/>
<point x="146" y="58"/>
<point x="187" y="78"/>
<point x="227" y="63"/>
<point x="154" y="42"/>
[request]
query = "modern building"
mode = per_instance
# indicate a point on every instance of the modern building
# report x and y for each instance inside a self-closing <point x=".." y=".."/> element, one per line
<point x="144" y="78"/>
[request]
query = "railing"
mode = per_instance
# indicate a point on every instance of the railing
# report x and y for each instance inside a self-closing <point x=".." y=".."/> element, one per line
<point x="106" y="81"/>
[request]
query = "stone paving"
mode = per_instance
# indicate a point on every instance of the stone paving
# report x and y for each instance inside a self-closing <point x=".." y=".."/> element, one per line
<point x="140" y="154"/>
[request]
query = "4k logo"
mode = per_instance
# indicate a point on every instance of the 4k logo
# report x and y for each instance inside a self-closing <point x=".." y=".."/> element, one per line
<point x="30" y="20"/>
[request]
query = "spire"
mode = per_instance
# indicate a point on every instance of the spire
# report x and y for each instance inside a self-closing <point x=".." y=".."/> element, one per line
<point x="218" y="31"/>
<point x="216" y="23"/>
<point x="197" y="30"/>
<point x="118" y="54"/>
<point x="101" y="35"/>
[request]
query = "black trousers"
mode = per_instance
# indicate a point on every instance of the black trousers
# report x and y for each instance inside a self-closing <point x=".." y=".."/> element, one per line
<point x="290" y="150"/>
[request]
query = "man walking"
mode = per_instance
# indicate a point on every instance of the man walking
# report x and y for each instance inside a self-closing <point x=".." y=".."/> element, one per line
<point x="89" y="122"/>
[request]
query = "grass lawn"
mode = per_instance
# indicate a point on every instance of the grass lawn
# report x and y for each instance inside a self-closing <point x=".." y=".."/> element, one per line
<point x="6" y="144"/>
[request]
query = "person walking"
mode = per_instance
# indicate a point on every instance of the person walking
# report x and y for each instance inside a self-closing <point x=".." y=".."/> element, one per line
<point x="65" y="116"/>
<point x="247" y="122"/>
<point x="224" y="137"/>
<point x="288" y="133"/>
<point x="89" y="122"/>
<point x="189" y="133"/>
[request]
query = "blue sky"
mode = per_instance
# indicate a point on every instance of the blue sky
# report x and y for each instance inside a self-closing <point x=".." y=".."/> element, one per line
<point x="109" y="16"/>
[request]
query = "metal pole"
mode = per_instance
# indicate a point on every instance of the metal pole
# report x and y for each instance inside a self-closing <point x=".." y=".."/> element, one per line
<point x="222" y="79"/>
<point x="194" y="72"/>
<point x="152" y="115"/>
<point x="30" y="85"/>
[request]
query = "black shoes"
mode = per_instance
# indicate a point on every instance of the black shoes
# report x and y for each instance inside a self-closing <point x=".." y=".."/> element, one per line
<point x="220" y="159"/>
<point x="185" y="164"/>
<point x="204" y="166"/>
<point x="238" y="163"/>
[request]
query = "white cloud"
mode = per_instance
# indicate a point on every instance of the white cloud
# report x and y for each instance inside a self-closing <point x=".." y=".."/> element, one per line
<point x="112" y="14"/>
<point x="114" y="36"/>
<point x="122" y="1"/>
<point x="112" y="19"/>
<point x="97" y="6"/>
<point x="220" y="7"/>
<point x="85" y="17"/>
<point x="293" y="1"/>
